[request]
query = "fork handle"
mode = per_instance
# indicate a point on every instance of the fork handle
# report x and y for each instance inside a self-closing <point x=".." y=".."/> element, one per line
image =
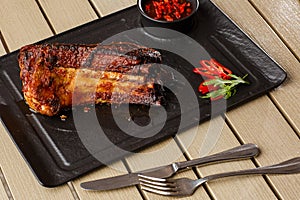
<point x="240" y="152"/>
<point x="287" y="167"/>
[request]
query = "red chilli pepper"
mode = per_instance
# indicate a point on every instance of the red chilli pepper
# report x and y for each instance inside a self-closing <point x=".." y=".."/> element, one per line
<point x="206" y="88"/>
<point x="224" y="71"/>
<point x="214" y="68"/>
<point x="209" y="70"/>
<point x="203" y="73"/>
<point x="168" y="10"/>
<point x="216" y="98"/>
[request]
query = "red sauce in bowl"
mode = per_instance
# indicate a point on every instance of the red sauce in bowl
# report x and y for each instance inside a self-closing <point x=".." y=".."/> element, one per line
<point x="168" y="10"/>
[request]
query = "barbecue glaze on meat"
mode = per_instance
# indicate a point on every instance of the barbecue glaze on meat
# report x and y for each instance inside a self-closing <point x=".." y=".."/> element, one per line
<point x="57" y="76"/>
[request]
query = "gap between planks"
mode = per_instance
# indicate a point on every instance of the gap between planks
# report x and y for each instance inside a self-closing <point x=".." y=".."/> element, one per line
<point x="274" y="29"/>
<point x="5" y="185"/>
<point x="94" y="7"/>
<point x="45" y="17"/>
<point x="129" y="170"/>
<point x="285" y="115"/>
<point x="4" y="43"/>
<point x="184" y="152"/>
<point x="227" y="139"/>
<point x="254" y="161"/>
<point x="73" y="191"/>
<point x="270" y="95"/>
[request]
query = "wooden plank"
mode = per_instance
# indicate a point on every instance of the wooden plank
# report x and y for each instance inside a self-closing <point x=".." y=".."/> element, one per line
<point x="107" y="7"/>
<point x="158" y="155"/>
<point x="208" y="142"/>
<point x="269" y="129"/>
<point x="20" y="180"/>
<point x="284" y="17"/>
<point x="109" y="171"/>
<point x="277" y="140"/>
<point x="64" y="15"/>
<point x="286" y="97"/>
<point x="2" y="50"/>
<point x="3" y="194"/>
<point x="21" y="23"/>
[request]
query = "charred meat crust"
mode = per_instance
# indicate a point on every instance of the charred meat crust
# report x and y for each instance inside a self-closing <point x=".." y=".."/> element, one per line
<point x="56" y="76"/>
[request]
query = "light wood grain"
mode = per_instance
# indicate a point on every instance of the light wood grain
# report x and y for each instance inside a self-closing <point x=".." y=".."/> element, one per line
<point x="64" y="15"/>
<point x="107" y="7"/>
<point x="19" y="177"/>
<point x="109" y="171"/>
<point x="284" y="17"/>
<point x="158" y="155"/>
<point x="261" y="123"/>
<point x="2" y="50"/>
<point x="286" y="97"/>
<point x="21" y="23"/>
<point x="248" y="187"/>
<point x="3" y="194"/>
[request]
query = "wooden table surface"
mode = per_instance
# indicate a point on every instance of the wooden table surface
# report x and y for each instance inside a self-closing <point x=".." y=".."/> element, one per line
<point x="271" y="121"/>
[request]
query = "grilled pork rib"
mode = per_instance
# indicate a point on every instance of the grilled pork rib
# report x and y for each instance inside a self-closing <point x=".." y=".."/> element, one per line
<point x="56" y="76"/>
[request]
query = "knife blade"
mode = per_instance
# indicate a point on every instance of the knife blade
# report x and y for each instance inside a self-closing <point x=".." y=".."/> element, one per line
<point x="240" y="152"/>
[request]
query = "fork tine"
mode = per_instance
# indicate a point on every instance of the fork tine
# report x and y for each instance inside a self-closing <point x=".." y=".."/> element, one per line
<point x="156" y="191"/>
<point x="152" y="178"/>
<point x="158" y="185"/>
<point x="156" y="181"/>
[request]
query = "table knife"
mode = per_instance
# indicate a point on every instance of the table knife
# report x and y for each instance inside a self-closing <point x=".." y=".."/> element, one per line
<point x="240" y="152"/>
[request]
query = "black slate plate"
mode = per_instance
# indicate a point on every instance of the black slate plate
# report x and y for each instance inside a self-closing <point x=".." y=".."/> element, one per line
<point x="53" y="149"/>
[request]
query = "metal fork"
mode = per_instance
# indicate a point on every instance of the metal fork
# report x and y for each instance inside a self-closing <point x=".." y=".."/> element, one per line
<point x="185" y="186"/>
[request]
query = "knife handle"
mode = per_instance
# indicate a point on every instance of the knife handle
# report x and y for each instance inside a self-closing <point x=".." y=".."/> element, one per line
<point x="240" y="152"/>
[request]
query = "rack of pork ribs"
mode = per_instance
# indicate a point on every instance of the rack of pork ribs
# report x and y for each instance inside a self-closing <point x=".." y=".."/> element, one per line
<point x="59" y="76"/>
